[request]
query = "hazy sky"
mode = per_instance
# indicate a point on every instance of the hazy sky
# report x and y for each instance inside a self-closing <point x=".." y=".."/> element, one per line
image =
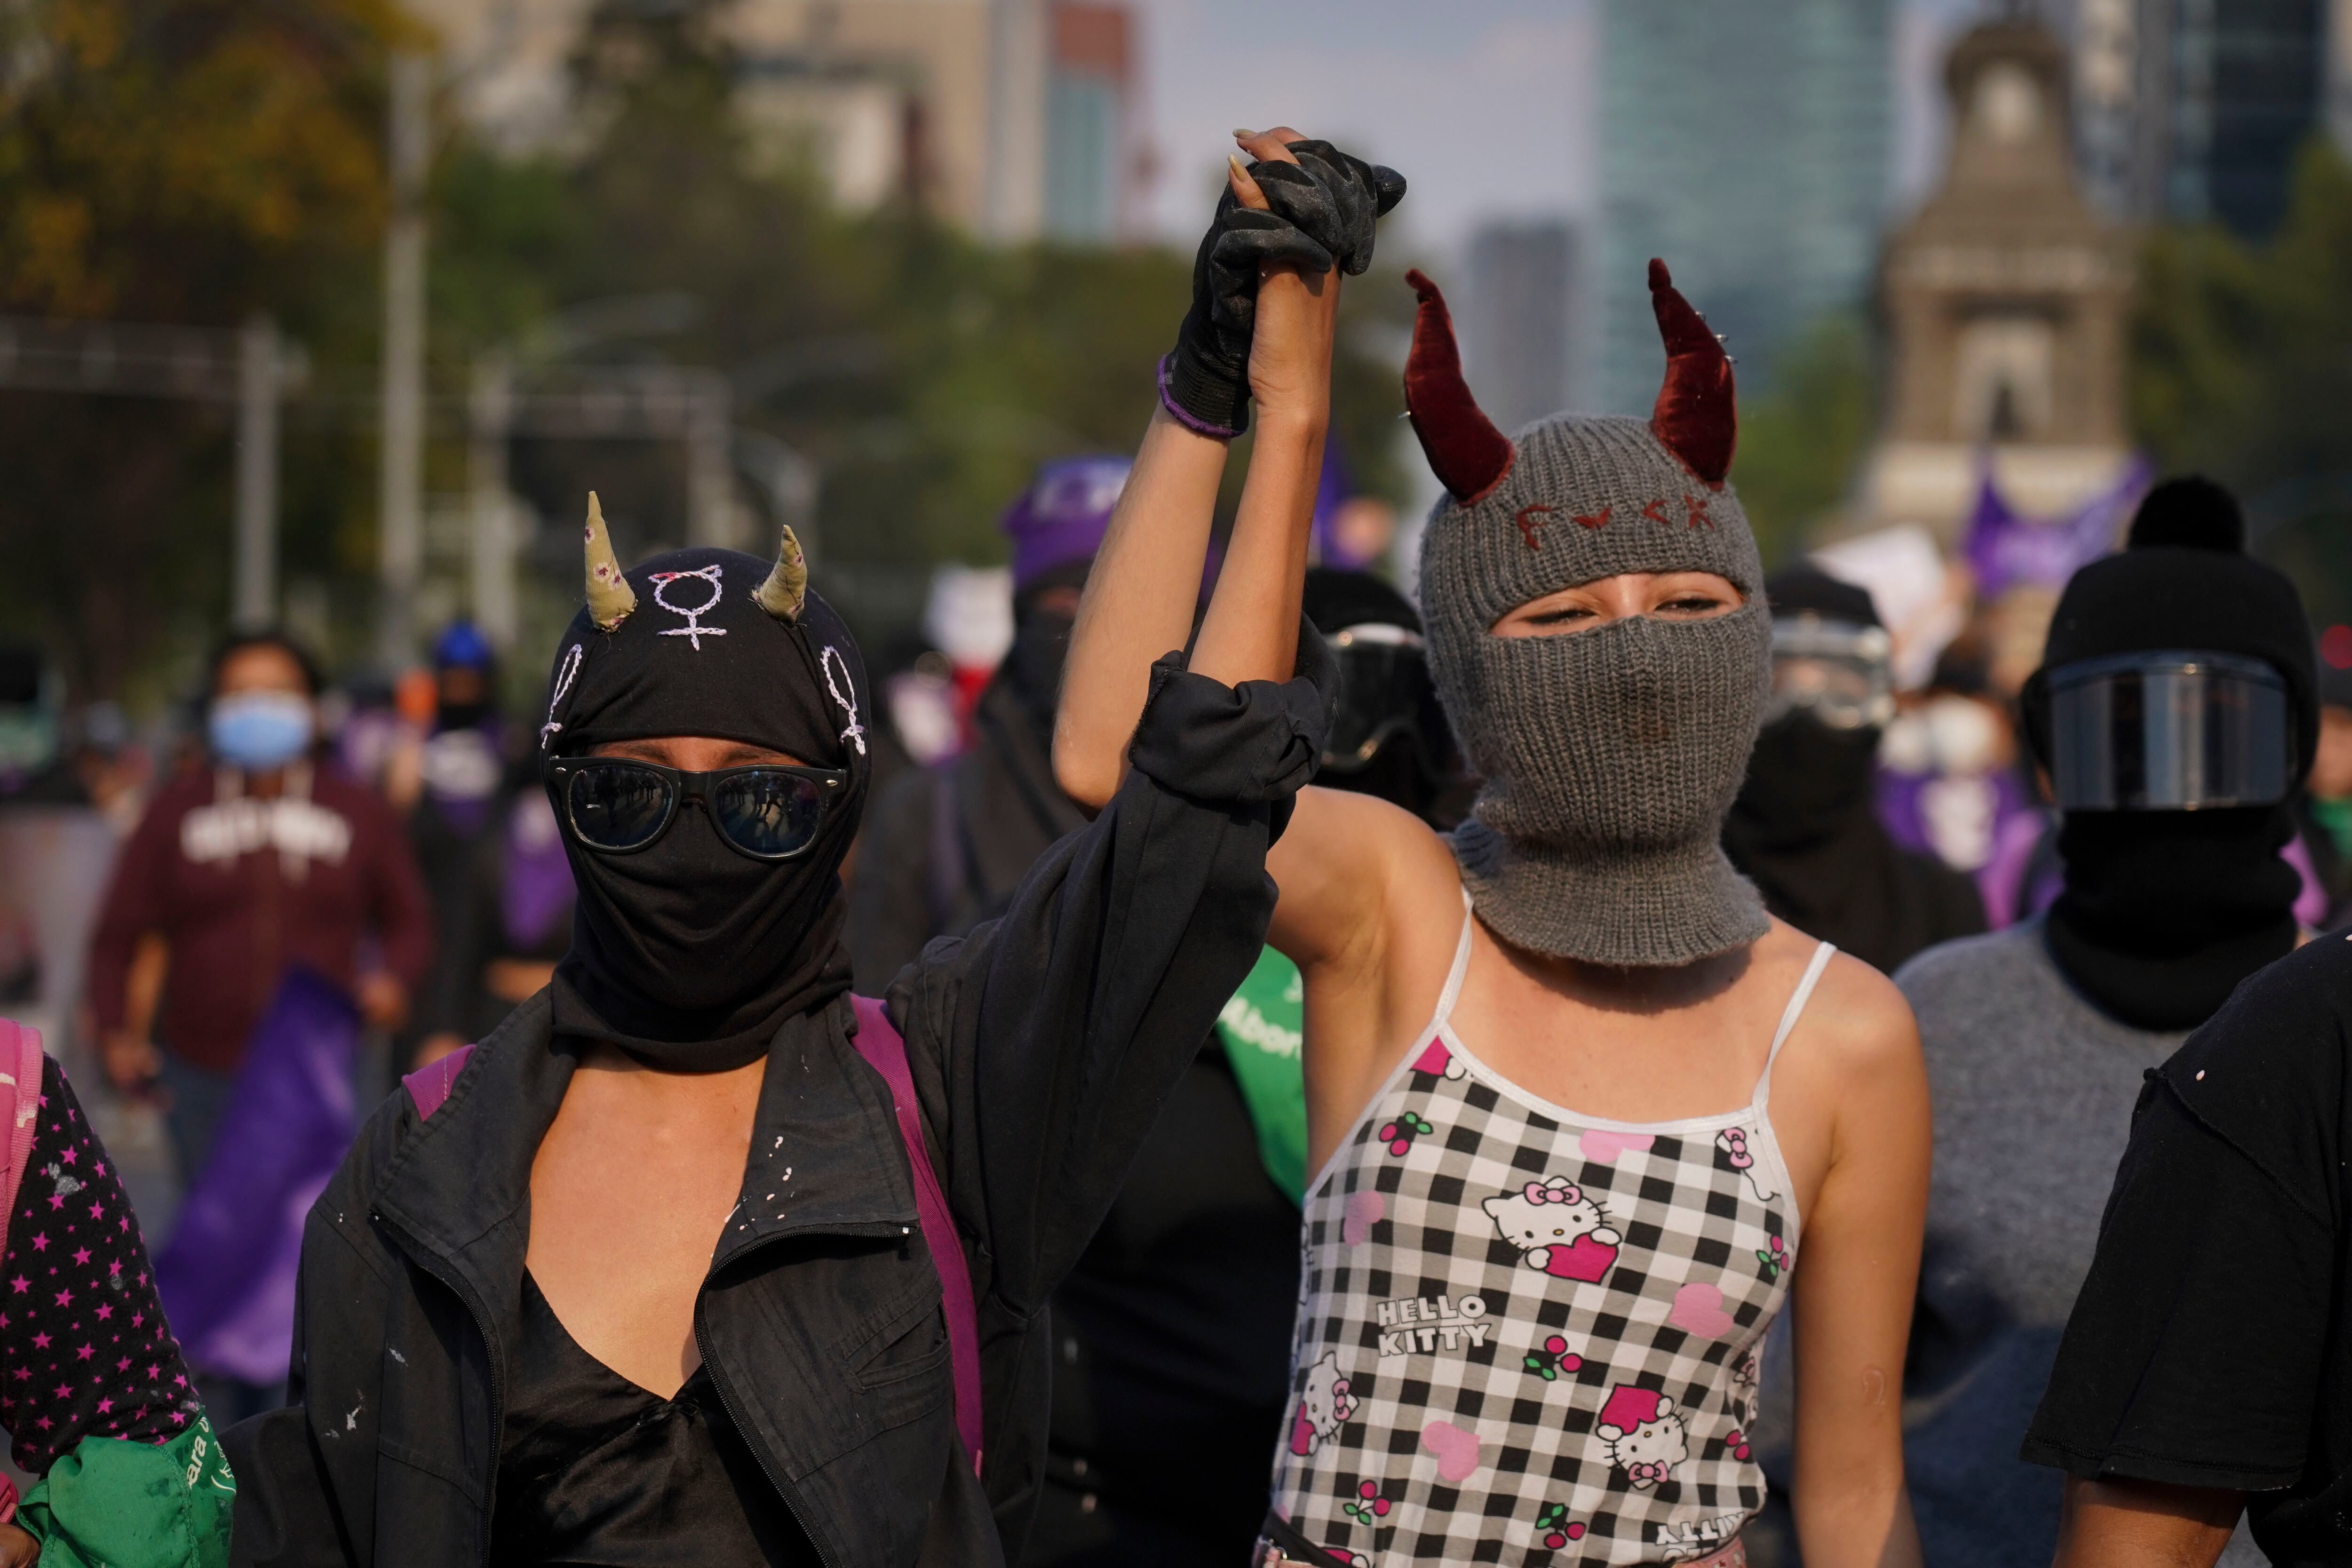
<point x="1483" y="104"/>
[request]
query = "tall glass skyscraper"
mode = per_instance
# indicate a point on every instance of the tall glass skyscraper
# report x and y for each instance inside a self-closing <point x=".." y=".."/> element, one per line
<point x="1747" y="144"/>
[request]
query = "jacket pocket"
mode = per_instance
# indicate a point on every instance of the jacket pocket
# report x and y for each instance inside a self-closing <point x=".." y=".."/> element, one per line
<point x="904" y="1342"/>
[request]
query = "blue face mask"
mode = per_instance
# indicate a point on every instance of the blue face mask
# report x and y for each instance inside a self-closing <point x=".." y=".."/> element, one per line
<point x="260" y="729"/>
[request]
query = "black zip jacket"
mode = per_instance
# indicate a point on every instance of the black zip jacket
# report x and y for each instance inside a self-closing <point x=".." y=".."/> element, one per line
<point x="1042" y="1045"/>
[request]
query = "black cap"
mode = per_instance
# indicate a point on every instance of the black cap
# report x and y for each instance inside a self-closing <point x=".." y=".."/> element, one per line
<point x="1803" y="590"/>
<point x="2183" y="583"/>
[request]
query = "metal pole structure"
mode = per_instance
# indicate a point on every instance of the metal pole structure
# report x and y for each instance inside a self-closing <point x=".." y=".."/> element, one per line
<point x="255" y="601"/>
<point x="489" y="508"/>
<point x="400" y="510"/>
<point x="709" y="490"/>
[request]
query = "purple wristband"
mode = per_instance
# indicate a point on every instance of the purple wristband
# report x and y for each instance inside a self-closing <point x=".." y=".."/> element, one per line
<point x="1184" y="417"/>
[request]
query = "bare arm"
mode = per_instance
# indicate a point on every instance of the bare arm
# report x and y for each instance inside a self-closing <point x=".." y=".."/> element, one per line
<point x="1139" y="594"/>
<point x="1857" y="1267"/>
<point x="2144" y="1524"/>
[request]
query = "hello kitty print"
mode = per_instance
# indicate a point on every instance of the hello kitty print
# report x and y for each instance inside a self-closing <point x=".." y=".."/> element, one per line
<point x="1531" y="1337"/>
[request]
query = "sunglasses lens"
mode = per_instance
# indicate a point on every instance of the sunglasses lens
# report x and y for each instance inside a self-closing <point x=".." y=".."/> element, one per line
<point x="617" y="806"/>
<point x="768" y="814"/>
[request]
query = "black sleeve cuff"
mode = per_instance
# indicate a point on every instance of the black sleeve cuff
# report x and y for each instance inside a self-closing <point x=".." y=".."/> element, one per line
<point x="1255" y="742"/>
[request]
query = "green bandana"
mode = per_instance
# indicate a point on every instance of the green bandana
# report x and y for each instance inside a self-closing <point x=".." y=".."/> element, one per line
<point x="112" y="1504"/>
<point x="1262" y="1028"/>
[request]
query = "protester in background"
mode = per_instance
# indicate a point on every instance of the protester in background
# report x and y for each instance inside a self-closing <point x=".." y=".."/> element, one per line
<point x="2176" y="713"/>
<point x="262" y="869"/>
<point x="1173" y="1332"/>
<point x="93" y="1393"/>
<point x="624" y="1293"/>
<point x="2205" y="1369"/>
<point x="510" y="922"/>
<point x="948" y="843"/>
<point x="1524" y="1325"/>
<point x="461" y="763"/>
<point x="1805" y="827"/>
<point x="2325" y="804"/>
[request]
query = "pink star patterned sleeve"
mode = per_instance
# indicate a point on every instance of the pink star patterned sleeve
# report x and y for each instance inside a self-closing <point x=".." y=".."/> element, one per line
<point x="84" y="1349"/>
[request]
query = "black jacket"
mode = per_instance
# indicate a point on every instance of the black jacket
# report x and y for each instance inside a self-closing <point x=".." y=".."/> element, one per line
<point x="1042" y="1045"/>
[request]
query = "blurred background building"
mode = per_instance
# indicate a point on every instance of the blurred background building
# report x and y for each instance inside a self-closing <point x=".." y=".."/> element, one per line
<point x="1518" y="319"/>
<point x="2196" y="108"/>
<point x="1012" y="118"/>
<point x="1749" y="143"/>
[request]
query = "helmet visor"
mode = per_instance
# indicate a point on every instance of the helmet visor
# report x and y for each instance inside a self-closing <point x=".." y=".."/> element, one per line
<point x="2176" y="730"/>
<point x="1840" y="673"/>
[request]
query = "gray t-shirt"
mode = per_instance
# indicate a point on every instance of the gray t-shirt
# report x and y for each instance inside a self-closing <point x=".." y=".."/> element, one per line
<point x="2033" y="1092"/>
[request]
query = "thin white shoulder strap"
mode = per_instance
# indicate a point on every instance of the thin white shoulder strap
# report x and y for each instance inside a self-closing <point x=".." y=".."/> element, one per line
<point x="1822" y="954"/>
<point x="1454" y="976"/>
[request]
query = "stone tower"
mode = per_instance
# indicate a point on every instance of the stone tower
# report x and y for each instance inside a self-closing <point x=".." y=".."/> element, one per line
<point x="2005" y="299"/>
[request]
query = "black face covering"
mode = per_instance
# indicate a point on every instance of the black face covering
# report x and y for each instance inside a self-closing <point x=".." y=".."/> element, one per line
<point x="1032" y="669"/>
<point x="2165" y="912"/>
<point x="688" y="954"/>
<point x="1804" y="781"/>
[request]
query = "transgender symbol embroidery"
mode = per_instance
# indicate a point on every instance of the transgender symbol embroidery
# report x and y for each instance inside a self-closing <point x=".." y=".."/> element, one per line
<point x="562" y="684"/>
<point x="829" y="661"/>
<point x="694" y="627"/>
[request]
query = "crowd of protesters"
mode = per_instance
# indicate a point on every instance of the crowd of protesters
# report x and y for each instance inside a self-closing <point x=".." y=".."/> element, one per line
<point x="1093" y="1143"/>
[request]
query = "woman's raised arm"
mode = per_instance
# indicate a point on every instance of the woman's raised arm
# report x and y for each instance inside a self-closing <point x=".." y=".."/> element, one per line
<point x="1139" y="595"/>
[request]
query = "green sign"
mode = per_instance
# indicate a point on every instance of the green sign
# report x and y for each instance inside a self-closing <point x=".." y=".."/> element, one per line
<point x="1263" y="1029"/>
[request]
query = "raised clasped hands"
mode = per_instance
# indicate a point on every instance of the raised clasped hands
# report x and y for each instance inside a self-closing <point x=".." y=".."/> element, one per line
<point x="1300" y="210"/>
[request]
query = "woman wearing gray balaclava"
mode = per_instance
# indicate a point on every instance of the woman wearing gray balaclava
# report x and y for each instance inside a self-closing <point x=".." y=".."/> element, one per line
<point x="1527" y="1333"/>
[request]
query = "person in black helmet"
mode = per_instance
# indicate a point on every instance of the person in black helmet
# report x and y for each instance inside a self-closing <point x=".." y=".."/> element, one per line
<point x="1803" y="828"/>
<point x="2175" y="711"/>
<point x="1173" y="1332"/>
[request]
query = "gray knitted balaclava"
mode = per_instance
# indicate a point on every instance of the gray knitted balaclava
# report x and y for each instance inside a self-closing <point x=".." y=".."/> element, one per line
<point x="1611" y="756"/>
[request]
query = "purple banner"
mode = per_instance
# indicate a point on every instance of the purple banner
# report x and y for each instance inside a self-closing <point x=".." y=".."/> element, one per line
<point x="227" y="1274"/>
<point x="2004" y="548"/>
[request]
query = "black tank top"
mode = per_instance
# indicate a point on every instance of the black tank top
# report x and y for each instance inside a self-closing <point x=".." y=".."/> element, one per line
<point x="598" y="1472"/>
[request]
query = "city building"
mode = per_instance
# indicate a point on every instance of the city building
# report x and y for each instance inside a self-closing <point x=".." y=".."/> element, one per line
<point x="1748" y="145"/>
<point x="1091" y="158"/>
<point x="1010" y="118"/>
<point x="2004" y="300"/>
<point x="1518" y="316"/>
<point x="2196" y="108"/>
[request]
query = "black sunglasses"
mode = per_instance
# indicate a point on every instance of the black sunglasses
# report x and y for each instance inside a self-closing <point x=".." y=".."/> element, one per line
<point x="769" y="811"/>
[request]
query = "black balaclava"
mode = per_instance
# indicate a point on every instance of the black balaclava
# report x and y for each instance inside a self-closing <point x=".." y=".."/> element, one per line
<point x="689" y="955"/>
<point x="1032" y="670"/>
<point x="1805" y="827"/>
<point x="1415" y="763"/>
<point x="1805" y="779"/>
<point x="2165" y="912"/>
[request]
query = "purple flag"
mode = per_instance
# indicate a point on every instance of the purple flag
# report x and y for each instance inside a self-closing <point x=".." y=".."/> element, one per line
<point x="2006" y="548"/>
<point x="227" y="1274"/>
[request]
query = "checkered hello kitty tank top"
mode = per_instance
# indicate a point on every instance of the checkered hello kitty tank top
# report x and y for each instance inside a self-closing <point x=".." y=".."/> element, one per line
<point x="1530" y="1336"/>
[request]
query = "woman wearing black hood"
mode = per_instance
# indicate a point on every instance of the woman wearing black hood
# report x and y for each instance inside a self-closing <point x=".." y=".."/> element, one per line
<point x="2176" y="711"/>
<point x="648" y="1279"/>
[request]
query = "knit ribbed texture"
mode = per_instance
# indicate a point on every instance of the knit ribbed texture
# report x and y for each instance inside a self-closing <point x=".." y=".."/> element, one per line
<point x="1610" y="756"/>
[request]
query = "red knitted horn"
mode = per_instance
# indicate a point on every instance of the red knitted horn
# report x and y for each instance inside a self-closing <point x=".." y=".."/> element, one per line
<point x="1464" y="450"/>
<point x="1695" y="416"/>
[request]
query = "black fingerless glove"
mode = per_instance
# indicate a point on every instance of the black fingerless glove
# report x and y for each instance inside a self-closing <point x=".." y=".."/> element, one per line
<point x="1204" y="379"/>
<point x="1334" y="199"/>
<point x="1323" y="210"/>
